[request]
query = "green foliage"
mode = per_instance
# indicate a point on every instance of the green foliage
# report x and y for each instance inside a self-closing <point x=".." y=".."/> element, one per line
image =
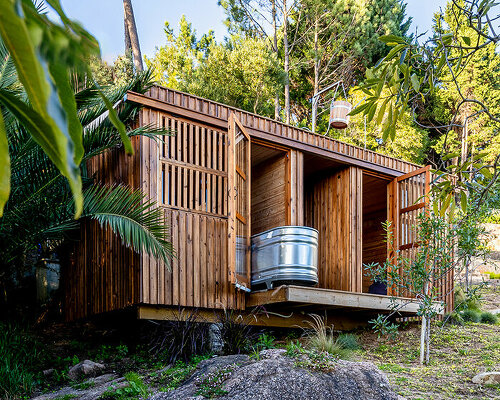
<point x="20" y="357"/>
<point x="38" y="56"/>
<point x="294" y="348"/>
<point x="494" y="275"/>
<point x="488" y="318"/>
<point x="136" y="389"/>
<point x="173" y="377"/>
<point x="411" y="143"/>
<point x="210" y="386"/>
<point x="383" y="327"/>
<point x="349" y="341"/>
<point x="264" y="342"/>
<point x="83" y="385"/>
<point x="471" y="315"/>
<point x="107" y="352"/>
<point x="40" y="216"/>
<point x="242" y="72"/>
<point x="321" y="339"/>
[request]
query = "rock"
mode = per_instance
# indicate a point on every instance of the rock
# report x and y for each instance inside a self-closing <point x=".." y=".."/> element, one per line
<point x="48" y="372"/>
<point x="487" y="378"/>
<point x="276" y="377"/>
<point x="84" y="369"/>
<point x="96" y="387"/>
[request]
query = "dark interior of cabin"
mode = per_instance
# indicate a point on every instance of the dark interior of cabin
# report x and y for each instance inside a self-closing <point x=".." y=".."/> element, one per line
<point x="374" y="214"/>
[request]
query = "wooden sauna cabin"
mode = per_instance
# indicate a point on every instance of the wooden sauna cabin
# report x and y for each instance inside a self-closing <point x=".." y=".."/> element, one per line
<point x="227" y="173"/>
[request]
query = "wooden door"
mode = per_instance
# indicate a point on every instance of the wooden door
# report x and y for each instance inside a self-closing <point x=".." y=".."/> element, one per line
<point x="239" y="168"/>
<point x="408" y="196"/>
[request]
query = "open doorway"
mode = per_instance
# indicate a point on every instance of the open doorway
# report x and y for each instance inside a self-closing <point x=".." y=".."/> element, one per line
<point x="374" y="248"/>
<point x="270" y="187"/>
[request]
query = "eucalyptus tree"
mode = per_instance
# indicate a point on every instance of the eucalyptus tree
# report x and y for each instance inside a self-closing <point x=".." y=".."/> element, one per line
<point x="131" y="36"/>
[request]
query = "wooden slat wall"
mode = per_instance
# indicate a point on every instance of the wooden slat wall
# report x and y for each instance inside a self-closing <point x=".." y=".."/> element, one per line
<point x="103" y="275"/>
<point x="187" y="175"/>
<point x="296" y="187"/>
<point x="270" y="194"/>
<point x="334" y="207"/>
<point x="219" y="112"/>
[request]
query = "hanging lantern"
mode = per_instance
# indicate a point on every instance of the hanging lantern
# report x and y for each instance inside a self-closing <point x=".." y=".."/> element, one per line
<point x="339" y="110"/>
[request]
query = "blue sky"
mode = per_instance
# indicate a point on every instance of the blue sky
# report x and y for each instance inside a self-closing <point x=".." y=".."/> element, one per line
<point x="104" y="19"/>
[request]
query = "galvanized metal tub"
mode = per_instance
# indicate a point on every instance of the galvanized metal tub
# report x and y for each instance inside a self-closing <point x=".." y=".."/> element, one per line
<point x="286" y="254"/>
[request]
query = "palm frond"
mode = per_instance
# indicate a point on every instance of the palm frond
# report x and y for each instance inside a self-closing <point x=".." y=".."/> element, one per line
<point x="131" y="215"/>
<point x="101" y="138"/>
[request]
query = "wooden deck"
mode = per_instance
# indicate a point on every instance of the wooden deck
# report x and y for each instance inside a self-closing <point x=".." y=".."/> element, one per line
<point x="299" y="296"/>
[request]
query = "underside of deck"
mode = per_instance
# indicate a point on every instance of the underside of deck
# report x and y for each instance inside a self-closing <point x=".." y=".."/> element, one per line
<point x="313" y="299"/>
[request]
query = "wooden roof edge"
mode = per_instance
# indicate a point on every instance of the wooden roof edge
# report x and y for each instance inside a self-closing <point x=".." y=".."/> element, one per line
<point x="222" y="122"/>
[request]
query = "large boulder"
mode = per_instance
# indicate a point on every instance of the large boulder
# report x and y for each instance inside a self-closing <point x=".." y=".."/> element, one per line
<point x="85" y="369"/>
<point x="487" y="378"/>
<point x="278" y="377"/>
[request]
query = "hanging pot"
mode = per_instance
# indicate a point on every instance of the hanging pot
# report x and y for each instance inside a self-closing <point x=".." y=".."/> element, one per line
<point x="338" y="114"/>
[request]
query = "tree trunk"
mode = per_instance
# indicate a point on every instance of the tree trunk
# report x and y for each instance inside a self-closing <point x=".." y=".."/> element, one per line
<point x="316" y="78"/>
<point x="275" y="49"/>
<point x="132" y="33"/>
<point x="287" y="63"/>
<point x="128" y="43"/>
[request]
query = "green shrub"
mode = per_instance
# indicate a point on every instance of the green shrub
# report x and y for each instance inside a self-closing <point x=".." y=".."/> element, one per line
<point x="494" y="276"/>
<point x="471" y="315"/>
<point x="488" y="318"/>
<point x="454" y="318"/>
<point x="264" y="342"/>
<point x="349" y="341"/>
<point x="19" y="357"/>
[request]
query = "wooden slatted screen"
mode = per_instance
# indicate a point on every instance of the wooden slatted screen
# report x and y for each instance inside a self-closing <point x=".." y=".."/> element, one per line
<point x="239" y="169"/>
<point x="187" y="174"/>
<point x="409" y="196"/>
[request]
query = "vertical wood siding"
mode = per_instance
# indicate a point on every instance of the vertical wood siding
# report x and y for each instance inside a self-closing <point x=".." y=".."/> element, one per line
<point x="103" y="275"/>
<point x="334" y="207"/>
<point x="187" y="175"/>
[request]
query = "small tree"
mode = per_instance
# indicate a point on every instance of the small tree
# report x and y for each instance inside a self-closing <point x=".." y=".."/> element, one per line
<point x="446" y="237"/>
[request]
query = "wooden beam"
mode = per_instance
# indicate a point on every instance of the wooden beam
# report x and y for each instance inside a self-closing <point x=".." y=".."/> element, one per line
<point x="340" y="320"/>
<point x="336" y="298"/>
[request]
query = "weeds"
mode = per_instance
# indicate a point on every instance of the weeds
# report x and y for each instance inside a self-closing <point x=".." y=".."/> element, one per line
<point x="264" y="342"/>
<point x="173" y="377"/>
<point x="321" y="338"/>
<point x="19" y="356"/>
<point x="180" y="338"/>
<point x="135" y="389"/>
<point x="210" y="386"/>
<point x="471" y="315"/>
<point x="349" y="341"/>
<point x="236" y="332"/>
<point x="83" y="385"/>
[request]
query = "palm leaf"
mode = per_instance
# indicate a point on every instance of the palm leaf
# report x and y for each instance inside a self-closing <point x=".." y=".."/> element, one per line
<point x="136" y="219"/>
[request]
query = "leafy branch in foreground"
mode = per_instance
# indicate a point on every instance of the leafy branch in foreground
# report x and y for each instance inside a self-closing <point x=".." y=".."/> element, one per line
<point x="39" y="55"/>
